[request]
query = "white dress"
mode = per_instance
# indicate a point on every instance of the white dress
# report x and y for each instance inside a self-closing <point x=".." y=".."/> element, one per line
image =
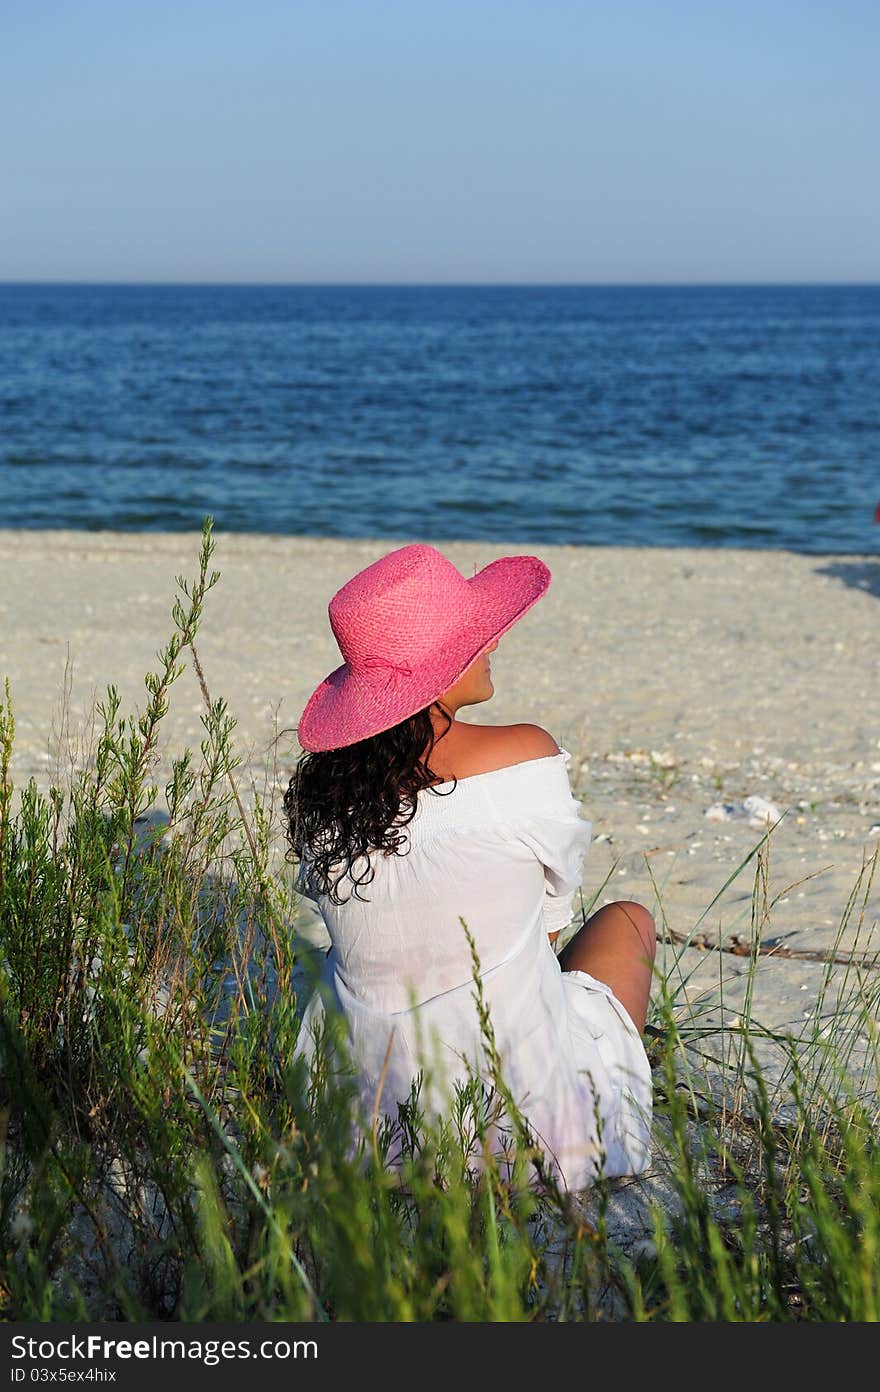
<point x="503" y="850"/>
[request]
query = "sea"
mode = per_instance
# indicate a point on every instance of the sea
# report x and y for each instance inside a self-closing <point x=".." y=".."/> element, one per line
<point x="723" y="416"/>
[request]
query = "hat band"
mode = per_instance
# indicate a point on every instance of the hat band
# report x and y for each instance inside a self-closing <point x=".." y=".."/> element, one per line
<point x="395" y="670"/>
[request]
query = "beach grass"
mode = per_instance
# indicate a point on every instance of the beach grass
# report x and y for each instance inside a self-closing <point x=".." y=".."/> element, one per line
<point x="163" y="1154"/>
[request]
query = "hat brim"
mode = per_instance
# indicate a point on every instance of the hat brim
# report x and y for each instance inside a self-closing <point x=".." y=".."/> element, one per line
<point x="346" y="708"/>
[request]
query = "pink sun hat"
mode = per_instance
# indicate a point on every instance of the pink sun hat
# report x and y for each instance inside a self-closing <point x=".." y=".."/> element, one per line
<point x="409" y="626"/>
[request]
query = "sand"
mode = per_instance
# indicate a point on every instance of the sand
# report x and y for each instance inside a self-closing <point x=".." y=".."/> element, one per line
<point x="680" y="680"/>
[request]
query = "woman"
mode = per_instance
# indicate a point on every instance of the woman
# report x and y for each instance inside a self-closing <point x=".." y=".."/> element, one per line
<point x="408" y="822"/>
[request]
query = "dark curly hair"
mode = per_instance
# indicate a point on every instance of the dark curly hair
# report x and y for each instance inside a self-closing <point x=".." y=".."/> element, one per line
<point x="341" y="803"/>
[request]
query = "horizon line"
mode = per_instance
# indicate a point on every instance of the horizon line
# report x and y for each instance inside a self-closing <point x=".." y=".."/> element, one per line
<point x="454" y="284"/>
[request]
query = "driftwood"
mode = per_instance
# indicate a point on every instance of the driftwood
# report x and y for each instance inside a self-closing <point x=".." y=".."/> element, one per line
<point x="737" y="946"/>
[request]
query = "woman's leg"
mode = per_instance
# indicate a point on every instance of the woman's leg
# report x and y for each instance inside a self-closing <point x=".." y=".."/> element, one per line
<point x="617" y="946"/>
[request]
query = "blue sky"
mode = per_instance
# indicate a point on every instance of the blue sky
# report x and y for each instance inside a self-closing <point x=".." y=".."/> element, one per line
<point x="457" y="140"/>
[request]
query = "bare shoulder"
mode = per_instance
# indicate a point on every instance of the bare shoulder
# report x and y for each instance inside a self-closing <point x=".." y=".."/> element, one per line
<point x="514" y="744"/>
<point x="533" y="742"/>
<point x="485" y="748"/>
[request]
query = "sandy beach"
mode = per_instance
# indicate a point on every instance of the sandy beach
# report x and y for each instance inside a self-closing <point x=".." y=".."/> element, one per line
<point x="683" y="682"/>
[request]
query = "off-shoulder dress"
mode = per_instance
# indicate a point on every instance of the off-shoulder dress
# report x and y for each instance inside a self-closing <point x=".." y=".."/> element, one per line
<point x="503" y="851"/>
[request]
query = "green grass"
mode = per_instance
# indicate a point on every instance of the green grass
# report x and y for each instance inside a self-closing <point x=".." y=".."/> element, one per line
<point x="163" y="1155"/>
